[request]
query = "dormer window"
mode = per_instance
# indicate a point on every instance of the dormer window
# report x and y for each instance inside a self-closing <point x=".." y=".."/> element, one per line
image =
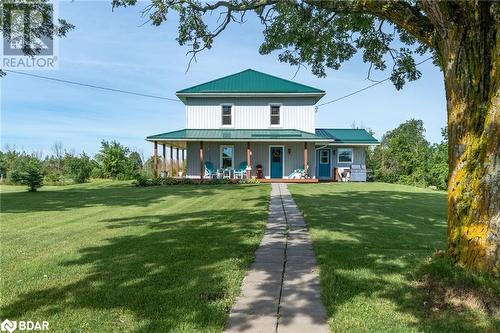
<point x="227" y="115"/>
<point x="275" y="115"/>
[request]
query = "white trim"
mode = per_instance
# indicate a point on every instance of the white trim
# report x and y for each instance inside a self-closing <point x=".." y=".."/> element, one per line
<point x="282" y="160"/>
<point x="327" y="156"/>
<point x="280" y="105"/>
<point x="222" y="105"/>
<point x="317" y="94"/>
<point x="338" y="155"/>
<point x="221" y="148"/>
<point x="238" y="140"/>
<point x="353" y="144"/>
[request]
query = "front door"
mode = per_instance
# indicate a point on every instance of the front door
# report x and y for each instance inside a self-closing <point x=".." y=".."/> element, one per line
<point x="276" y="162"/>
<point x="324" y="168"/>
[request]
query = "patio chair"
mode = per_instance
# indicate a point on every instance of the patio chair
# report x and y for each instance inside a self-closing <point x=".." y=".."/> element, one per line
<point x="210" y="171"/>
<point x="297" y="174"/>
<point x="241" y="172"/>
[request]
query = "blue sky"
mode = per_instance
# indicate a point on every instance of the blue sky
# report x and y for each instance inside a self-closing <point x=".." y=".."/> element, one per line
<point x="112" y="49"/>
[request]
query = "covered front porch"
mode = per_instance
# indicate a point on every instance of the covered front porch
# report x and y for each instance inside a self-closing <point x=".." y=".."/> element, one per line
<point x="279" y="155"/>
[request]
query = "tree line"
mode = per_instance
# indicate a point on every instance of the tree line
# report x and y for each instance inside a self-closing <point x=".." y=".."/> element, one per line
<point x="404" y="156"/>
<point x="113" y="161"/>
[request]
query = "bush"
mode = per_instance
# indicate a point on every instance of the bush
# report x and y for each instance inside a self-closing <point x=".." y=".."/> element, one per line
<point x="27" y="170"/>
<point x="252" y="181"/>
<point x="142" y="180"/>
<point x="77" y="168"/>
<point x="117" y="162"/>
<point x="53" y="177"/>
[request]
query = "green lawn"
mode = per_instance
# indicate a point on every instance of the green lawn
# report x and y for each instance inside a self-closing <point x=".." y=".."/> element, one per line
<point x="372" y="242"/>
<point x="109" y="256"/>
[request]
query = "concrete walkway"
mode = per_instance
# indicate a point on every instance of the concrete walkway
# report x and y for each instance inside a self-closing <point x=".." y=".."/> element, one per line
<point x="281" y="291"/>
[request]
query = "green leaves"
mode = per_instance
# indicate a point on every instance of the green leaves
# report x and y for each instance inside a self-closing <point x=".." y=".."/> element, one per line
<point x="27" y="170"/>
<point x="406" y="157"/>
<point x="321" y="34"/>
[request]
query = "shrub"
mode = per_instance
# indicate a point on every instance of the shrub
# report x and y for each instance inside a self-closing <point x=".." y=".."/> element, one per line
<point x="27" y="170"/>
<point x="53" y="177"/>
<point x="252" y="181"/>
<point x="77" y="168"/>
<point x="142" y="180"/>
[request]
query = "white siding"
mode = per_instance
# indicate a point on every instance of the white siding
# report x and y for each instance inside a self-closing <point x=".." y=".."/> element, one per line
<point x="260" y="155"/>
<point x="251" y="113"/>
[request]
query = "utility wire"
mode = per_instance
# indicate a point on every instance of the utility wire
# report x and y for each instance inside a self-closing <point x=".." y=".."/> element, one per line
<point x="176" y="100"/>
<point x="92" y="86"/>
<point x="365" y="88"/>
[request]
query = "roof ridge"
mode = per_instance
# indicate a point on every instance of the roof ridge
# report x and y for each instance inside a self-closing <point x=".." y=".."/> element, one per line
<point x="297" y="85"/>
<point x="337" y="128"/>
<point x="220" y="78"/>
<point x="280" y="78"/>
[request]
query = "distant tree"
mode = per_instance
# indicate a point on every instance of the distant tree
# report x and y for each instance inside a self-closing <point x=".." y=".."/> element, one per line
<point x="148" y="169"/>
<point x="113" y="158"/>
<point x="27" y="170"/>
<point x="135" y="161"/>
<point x="78" y="168"/>
<point x="402" y="156"/>
<point x="3" y="165"/>
<point x="438" y="163"/>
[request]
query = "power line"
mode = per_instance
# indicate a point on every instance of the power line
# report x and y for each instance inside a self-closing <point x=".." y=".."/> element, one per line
<point x="92" y="86"/>
<point x="365" y="88"/>
<point x="176" y="100"/>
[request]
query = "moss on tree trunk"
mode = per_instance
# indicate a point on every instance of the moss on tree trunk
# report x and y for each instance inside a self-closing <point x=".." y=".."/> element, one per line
<point x="470" y="61"/>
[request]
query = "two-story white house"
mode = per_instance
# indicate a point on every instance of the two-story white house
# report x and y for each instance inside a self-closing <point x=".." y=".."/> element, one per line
<point x="252" y="124"/>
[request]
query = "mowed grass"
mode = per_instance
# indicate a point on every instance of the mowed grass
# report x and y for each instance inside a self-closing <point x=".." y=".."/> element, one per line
<point x="372" y="243"/>
<point x="111" y="257"/>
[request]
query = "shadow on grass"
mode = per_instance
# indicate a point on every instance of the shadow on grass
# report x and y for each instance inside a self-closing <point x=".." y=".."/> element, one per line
<point x="88" y="195"/>
<point x="180" y="273"/>
<point x="370" y="244"/>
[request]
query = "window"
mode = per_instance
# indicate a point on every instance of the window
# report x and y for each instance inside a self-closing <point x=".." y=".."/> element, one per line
<point x="226" y="157"/>
<point x="344" y="155"/>
<point x="227" y="115"/>
<point x="324" y="157"/>
<point x="275" y="115"/>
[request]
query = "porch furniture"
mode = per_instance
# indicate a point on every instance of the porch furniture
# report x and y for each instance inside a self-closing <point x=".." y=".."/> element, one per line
<point x="219" y="173"/>
<point x="297" y="174"/>
<point x="358" y="173"/>
<point x="241" y="172"/>
<point x="210" y="171"/>
<point x="228" y="173"/>
<point x="260" y="173"/>
<point x="345" y="174"/>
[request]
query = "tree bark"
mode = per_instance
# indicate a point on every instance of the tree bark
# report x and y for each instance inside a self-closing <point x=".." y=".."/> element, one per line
<point x="468" y="53"/>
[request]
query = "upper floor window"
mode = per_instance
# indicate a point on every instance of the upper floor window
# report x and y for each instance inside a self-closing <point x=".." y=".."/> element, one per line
<point x="344" y="155"/>
<point x="227" y="115"/>
<point x="275" y="115"/>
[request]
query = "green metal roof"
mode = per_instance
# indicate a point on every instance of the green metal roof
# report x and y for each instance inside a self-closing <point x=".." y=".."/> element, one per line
<point x="346" y="135"/>
<point x="250" y="81"/>
<point x="237" y="134"/>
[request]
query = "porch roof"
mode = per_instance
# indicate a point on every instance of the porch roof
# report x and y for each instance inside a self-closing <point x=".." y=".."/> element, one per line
<point x="238" y="135"/>
<point x="347" y="136"/>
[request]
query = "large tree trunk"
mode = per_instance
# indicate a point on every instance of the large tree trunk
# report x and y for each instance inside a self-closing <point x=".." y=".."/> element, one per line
<point x="468" y="53"/>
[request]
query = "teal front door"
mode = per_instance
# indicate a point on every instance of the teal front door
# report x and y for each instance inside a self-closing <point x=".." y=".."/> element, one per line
<point x="323" y="162"/>
<point x="276" y="162"/>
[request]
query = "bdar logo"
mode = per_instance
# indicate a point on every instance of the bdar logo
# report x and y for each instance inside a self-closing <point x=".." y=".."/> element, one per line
<point x="8" y="325"/>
